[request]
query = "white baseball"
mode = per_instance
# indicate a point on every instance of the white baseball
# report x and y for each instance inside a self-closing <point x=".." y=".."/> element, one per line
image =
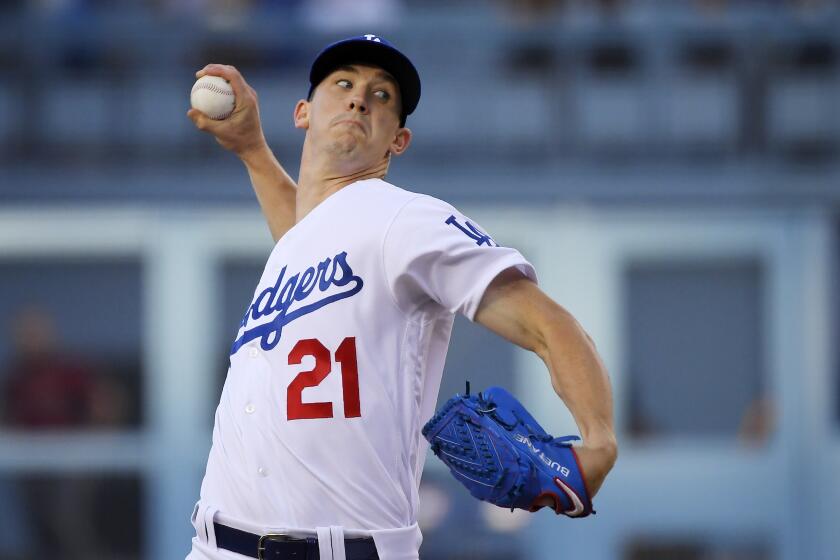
<point x="213" y="96"/>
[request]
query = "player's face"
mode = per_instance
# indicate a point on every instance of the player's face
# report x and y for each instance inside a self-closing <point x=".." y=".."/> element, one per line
<point x="354" y="115"/>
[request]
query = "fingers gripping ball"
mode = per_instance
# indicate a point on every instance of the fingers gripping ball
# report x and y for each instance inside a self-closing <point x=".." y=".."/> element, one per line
<point x="213" y="96"/>
<point x="494" y="447"/>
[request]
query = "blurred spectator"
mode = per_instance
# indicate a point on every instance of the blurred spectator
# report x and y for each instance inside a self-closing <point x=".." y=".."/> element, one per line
<point x="574" y="13"/>
<point x="60" y="512"/>
<point x="692" y="548"/>
<point x="46" y="388"/>
<point x="712" y="9"/>
<point x="530" y="12"/>
<point x="758" y="422"/>
<point x="530" y="53"/>
<point x="610" y="8"/>
<point x="218" y="14"/>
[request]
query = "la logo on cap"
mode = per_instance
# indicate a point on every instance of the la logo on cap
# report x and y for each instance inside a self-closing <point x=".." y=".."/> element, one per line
<point x="371" y="37"/>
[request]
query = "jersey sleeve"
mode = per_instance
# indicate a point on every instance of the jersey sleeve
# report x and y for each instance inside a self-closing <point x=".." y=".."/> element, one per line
<point x="433" y="254"/>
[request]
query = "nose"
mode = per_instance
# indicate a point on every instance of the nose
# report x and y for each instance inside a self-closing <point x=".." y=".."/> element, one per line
<point x="357" y="104"/>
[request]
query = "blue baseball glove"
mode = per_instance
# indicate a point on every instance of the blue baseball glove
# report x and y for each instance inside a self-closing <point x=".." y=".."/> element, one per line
<point x="495" y="448"/>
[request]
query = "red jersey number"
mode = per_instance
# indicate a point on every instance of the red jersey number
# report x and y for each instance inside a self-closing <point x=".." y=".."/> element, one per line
<point x="296" y="409"/>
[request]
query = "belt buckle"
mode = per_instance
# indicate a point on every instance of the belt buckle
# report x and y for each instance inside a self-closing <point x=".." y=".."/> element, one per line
<point x="271" y="537"/>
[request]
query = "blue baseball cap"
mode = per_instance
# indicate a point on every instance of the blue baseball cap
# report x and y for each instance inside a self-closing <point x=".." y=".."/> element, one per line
<point x="374" y="50"/>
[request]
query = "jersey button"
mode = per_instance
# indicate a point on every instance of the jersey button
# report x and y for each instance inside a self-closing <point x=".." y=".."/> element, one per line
<point x="262" y="472"/>
<point x="250" y="408"/>
<point x="253" y="352"/>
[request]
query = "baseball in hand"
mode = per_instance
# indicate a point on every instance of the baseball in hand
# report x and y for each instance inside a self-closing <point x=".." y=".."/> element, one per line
<point x="213" y="96"/>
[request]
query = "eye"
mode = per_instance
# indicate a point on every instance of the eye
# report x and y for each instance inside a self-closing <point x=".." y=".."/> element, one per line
<point x="382" y="94"/>
<point x="343" y="83"/>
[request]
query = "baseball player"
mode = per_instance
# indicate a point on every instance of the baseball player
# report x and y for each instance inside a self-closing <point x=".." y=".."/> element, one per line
<point x="317" y="448"/>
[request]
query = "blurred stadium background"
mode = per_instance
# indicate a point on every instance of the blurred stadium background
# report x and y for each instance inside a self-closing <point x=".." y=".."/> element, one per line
<point x="671" y="168"/>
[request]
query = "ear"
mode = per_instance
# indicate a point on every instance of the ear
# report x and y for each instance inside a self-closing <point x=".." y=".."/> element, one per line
<point x="302" y="114"/>
<point x="400" y="142"/>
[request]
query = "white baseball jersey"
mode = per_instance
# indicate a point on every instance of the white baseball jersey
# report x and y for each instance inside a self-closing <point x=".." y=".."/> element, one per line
<point x="338" y="361"/>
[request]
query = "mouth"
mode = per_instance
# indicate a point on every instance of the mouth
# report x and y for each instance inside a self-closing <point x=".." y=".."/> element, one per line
<point x="352" y="122"/>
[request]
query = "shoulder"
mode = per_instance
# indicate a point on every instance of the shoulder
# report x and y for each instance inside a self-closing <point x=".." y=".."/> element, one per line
<point x="386" y="198"/>
<point x="411" y="200"/>
<point x="384" y="191"/>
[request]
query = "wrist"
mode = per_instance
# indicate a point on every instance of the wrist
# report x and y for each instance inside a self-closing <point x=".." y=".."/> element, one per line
<point x="256" y="154"/>
<point x="596" y="462"/>
<point x="604" y="442"/>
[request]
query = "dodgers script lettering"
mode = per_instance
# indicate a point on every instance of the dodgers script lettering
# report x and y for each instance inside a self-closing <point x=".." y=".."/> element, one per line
<point x="297" y="291"/>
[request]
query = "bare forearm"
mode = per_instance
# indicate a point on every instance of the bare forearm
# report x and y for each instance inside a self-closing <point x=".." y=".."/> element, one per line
<point x="579" y="378"/>
<point x="515" y="308"/>
<point x="274" y="188"/>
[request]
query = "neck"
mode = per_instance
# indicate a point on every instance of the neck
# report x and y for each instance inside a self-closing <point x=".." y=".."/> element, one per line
<point x="317" y="182"/>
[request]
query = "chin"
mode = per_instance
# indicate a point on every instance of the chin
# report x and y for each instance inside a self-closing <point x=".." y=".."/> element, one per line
<point x="345" y="147"/>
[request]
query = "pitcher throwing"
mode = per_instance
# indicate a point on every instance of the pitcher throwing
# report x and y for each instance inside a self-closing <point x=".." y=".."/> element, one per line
<point x="317" y="446"/>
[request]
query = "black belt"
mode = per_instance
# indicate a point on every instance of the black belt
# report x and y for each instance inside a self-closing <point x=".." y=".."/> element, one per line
<point x="284" y="547"/>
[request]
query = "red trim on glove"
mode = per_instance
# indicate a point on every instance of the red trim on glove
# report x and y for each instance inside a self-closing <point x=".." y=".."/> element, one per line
<point x="554" y="497"/>
<point x="582" y="476"/>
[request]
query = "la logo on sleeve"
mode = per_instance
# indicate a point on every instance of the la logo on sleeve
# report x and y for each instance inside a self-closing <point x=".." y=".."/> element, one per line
<point x="472" y="231"/>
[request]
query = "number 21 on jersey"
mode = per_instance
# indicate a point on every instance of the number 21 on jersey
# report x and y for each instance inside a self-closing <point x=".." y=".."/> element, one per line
<point x="345" y="355"/>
